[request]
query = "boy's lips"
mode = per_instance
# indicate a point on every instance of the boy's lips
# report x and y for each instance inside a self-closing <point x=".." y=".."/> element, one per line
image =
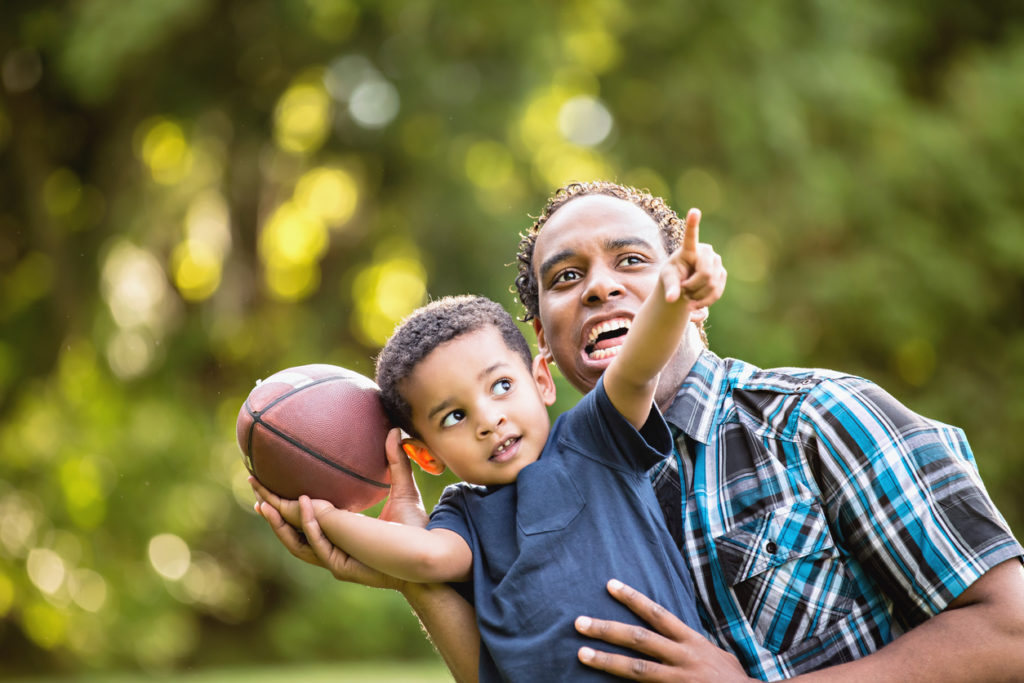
<point x="506" y="449"/>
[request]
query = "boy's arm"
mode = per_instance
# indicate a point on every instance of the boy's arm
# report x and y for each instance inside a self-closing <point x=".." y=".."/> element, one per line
<point x="405" y="552"/>
<point x="692" y="278"/>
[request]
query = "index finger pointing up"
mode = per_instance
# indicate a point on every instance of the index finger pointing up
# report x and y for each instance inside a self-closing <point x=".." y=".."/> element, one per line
<point x="692" y="236"/>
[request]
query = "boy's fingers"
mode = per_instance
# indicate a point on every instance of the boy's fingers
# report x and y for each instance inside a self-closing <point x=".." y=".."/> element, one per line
<point x="692" y="236"/>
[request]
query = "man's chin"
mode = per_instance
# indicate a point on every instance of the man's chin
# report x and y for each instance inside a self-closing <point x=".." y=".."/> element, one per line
<point x="590" y="370"/>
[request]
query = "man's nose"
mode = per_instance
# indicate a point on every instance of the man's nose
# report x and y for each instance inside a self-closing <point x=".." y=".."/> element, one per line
<point x="602" y="285"/>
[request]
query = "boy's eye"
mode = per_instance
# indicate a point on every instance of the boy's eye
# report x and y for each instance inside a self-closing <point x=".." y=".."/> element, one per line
<point x="453" y="418"/>
<point x="502" y="386"/>
<point x="631" y="260"/>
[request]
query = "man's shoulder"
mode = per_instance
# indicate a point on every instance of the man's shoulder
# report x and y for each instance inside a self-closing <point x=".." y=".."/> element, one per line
<point x="783" y="380"/>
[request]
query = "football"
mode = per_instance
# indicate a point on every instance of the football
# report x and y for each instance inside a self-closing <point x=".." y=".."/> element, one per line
<point x="317" y="430"/>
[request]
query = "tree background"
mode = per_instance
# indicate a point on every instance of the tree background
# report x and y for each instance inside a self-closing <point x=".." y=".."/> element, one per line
<point x="197" y="193"/>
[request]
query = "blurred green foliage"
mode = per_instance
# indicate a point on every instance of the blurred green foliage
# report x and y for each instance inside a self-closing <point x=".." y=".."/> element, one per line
<point x="197" y="193"/>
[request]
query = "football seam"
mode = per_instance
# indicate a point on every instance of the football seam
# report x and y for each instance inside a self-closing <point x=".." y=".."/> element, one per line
<point x="257" y="419"/>
<point x="308" y="451"/>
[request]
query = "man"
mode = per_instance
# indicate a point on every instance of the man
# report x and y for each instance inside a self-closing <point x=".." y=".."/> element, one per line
<point x="820" y="518"/>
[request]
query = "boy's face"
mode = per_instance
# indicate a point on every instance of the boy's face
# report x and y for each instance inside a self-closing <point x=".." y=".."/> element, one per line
<point x="478" y="407"/>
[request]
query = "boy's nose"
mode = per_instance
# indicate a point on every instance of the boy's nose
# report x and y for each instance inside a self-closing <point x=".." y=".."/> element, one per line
<point x="490" y="423"/>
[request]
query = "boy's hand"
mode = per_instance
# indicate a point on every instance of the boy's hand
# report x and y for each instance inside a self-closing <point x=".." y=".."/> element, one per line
<point x="287" y="517"/>
<point x="694" y="269"/>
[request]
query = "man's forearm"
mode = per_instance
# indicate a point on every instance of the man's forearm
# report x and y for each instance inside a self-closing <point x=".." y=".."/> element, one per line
<point x="979" y="637"/>
<point x="450" y="623"/>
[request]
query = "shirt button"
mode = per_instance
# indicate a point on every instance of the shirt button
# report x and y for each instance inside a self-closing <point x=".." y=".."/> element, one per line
<point x="770" y="547"/>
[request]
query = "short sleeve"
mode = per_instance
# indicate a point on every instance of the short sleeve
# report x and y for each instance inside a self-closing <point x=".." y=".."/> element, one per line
<point x="595" y="428"/>
<point x="904" y="496"/>
<point x="451" y="513"/>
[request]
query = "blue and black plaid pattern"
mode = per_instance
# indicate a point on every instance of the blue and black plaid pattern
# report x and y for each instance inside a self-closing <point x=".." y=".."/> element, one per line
<point x="820" y="517"/>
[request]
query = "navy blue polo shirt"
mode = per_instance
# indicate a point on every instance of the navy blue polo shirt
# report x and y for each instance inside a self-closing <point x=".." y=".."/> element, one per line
<point x="545" y="546"/>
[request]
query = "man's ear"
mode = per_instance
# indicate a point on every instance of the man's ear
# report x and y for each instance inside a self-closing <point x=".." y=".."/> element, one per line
<point x="418" y="452"/>
<point x="542" y="376"/>
<point x="542" y="344"/>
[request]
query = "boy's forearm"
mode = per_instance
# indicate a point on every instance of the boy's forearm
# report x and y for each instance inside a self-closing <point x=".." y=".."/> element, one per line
<point x="389" y="547"/>
<point x="652" y="340"/>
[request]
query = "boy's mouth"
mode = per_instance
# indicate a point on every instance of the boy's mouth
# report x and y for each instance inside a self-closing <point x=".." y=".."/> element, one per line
<point x="606" y="338"/>
<point x="505" y="449"/>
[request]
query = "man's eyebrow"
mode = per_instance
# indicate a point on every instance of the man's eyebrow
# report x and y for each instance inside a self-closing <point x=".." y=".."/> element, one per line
<point x="552" y="261"/>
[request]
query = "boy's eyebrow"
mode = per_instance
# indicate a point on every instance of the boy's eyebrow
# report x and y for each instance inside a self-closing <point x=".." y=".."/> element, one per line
<point x="447" y="402"/>
<point x="552" y="261"/>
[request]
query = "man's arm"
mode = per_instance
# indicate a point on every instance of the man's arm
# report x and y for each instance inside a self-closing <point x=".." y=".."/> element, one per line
<point x="449" y="621"/>
<point x="979" y="636"/>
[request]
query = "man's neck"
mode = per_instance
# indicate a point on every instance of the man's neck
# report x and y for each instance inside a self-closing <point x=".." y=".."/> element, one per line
<point x="675" y="372"/>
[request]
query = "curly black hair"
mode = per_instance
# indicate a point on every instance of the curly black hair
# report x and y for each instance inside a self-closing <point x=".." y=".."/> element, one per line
<point x="671" y="226"/>
<point x="427" y="327"/>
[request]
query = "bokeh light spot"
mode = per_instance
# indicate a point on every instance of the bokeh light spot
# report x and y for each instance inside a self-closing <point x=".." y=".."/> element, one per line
<point x="45" y="570"/>
<point x="169" y="555"/>
<point x="197" y="270"/>
<point x="6" y="594"/>
<point x="292" y="237"/>
<point x="88" y="589"/>
<point x="44" y="624"/>
<point x="384" y="293"/>
<point x="165" y="151"/>
<point x="302" y="117"/>
<point x="374" y="103"/>
<point x="292" y="282"/>
<point x="82" y="484"/>
<point x="129" y="353"/>
<point x="592" y="48"/>
<point x="134" y="286"/>
<point x="584" y="120"/>
<point x="330" y="194"/>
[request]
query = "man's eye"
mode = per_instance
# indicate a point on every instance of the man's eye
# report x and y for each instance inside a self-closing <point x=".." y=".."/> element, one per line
<point x="453" y="418"/>
<point x="565" y="276"/>
<point x="631" y="260"/>
<point x="502" y="386"/>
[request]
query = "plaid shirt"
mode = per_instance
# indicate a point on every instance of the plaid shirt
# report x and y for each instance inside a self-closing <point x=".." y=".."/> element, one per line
<point x="819" y="516"/>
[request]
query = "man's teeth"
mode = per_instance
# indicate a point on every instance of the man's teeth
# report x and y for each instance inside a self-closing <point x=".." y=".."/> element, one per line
<point x="608" y="326"/>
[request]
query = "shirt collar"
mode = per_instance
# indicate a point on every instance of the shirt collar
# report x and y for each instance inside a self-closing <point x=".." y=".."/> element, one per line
<point x="695" y="405"/>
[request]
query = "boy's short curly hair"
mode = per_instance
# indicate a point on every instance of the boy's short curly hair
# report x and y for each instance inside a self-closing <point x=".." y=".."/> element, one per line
<point x="425" y="329"/>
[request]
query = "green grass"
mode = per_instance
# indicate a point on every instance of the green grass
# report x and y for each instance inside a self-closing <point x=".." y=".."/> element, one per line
<point x="418" y="672"/>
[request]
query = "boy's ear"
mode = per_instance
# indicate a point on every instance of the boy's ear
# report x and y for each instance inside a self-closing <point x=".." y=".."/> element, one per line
<point x="699" y="315"/>
<point x="542" y="376"/>
<point x="419" y="453"/>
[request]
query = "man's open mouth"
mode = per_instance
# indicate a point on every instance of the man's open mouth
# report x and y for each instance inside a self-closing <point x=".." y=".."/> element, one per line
<point x="607" y="338"/>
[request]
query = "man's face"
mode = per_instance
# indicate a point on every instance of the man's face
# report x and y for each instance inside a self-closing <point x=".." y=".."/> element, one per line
<point x="596" y="260"/>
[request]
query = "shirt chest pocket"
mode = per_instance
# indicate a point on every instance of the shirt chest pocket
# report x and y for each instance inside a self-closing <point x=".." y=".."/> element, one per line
<point x="786" y="574"/>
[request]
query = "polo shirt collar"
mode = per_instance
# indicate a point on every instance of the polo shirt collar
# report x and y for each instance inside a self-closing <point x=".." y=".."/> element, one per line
<point x="695" y="405"/>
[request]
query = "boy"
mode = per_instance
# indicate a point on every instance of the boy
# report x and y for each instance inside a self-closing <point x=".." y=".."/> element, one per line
<point x="545" y="514"/>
